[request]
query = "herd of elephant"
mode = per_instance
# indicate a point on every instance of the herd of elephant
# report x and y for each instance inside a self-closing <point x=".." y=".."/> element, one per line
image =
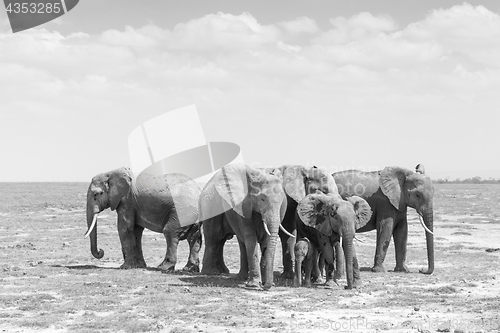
<point x="315" y="214"/>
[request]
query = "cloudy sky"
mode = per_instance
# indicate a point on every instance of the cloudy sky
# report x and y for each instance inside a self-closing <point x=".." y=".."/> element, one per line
<point x="339" y="84"/>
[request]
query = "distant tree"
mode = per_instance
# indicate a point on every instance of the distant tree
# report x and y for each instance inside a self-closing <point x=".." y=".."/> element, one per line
<point x="473" y="180"/>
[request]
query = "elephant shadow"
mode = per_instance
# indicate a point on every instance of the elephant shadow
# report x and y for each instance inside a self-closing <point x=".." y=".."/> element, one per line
<point x="85" y="267"/>
<point x="229" y="280"/>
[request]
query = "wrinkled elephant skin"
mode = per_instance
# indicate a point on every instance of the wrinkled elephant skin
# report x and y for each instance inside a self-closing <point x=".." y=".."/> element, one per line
<point x="147" y="202"/>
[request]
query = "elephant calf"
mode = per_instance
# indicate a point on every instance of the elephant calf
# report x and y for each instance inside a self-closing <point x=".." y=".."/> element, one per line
<point x="306" y="255"/>
<point x="335" y="221"/>
<point x="164" y="203"/>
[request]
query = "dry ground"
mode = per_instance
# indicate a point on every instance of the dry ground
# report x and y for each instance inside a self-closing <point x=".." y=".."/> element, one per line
<point x="49" y="281"/>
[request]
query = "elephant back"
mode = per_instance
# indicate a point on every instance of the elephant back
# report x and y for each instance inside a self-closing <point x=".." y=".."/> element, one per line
<point x="357" y="183"/>
<point x="175" y="193"/>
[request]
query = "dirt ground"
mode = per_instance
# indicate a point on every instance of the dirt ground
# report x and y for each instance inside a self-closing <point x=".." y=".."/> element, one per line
<point x="49" y="281"/>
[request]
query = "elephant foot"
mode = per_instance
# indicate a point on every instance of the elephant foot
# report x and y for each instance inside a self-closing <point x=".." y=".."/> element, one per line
<point x="378" y="269"/>
<point x="242" y="276"/>
<point x="133" y="264"/>
<point x="287" y="275"/>
<point x="337" y="275"/>
<point x="253" y="284"/>
<point x="167" y="267"/>
<point x="267" y="287"/>
<point x="331" y="283"/>
<point x="357" y="283"/>
<point x="319" y="280"/>
<point x="191" y="268"/>
<point x="213" y="271"/>
<point x="402" y="268"/>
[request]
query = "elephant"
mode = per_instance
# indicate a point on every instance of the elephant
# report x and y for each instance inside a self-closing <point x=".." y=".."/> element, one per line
<point x="298" y="181"/>
<point x="389" y="193"/>
<point x="328" y="254"/>
<point x="331" y="215"/>
<point x="249" y="203"/>
<point x="305" y="253"/>
<point x="155" y="202"/>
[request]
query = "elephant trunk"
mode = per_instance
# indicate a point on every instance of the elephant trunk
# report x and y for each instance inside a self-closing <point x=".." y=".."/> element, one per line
<point x="273" y="227"/>
<point x="347" y="246"/>
<point x="429" y="223"/>
<point x="92" y="210"/>
<point x="298" y="271"/>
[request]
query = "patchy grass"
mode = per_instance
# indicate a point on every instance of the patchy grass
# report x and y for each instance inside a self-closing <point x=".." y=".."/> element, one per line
<point x="49" y="281"/>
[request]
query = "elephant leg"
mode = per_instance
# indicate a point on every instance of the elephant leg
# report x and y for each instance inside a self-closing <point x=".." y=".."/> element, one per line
<point x="400" y="236"/>
<point x="243" y="273"/>
<point x="287" y="250"/>
<point x="339" y="262"/>
<point x="311" y="261"/>
<point x="355" y="270"/>
<point x="319" y="268"/>
<point x="126" y="232"/>
<point x="384" y="233"/>
<point x="195" y="241"/>
<point x="138" y="230"/>
<point x="170" y="231"/>
<point x="254" y="275"/>
<point x="216" y="231"/>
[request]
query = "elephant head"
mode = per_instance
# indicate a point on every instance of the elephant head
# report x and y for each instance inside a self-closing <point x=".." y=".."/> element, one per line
<point x="247" y="190"/>
<point x="404" y="188"/>
<point x="329" y="213"/>
<point x="298" y="181"/>
<point x="106" y="190"/>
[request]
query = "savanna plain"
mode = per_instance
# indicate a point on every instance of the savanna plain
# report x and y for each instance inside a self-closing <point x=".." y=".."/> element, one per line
<point x="50" y="282"/>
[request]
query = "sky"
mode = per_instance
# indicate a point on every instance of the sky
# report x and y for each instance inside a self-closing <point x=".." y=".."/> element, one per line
<point x="336" y="84"/>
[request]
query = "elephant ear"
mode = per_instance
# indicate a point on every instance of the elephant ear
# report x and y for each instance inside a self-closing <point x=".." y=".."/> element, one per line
<point x="362" y="210"/>
<point x="119" y="183"/>
<point x="293" y="182"/>
<point x="391" y="183"/>
<point x="232" y="185"/>
<point x="313" y="212"/>
<point x="326" y="180"/>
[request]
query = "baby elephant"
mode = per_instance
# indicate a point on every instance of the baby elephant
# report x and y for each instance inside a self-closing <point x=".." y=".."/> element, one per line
<point x="305" y="253"/>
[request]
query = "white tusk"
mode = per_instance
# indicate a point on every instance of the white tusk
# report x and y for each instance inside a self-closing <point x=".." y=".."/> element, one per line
<point x="266" y="229"/>
<point x="423" y="225"/>
<point x="340" y="241"/>
<point x="91" y="226"/>
<point x="286" y="232"/>
<point x="359" y="240"/>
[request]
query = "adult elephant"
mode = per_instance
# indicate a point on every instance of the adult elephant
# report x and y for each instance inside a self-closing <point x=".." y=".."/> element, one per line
<point x="159" y="203"/>
<point x="299" y="181"/>
<point x="335" y="219"/>
<point x="250" y="203"/>
<point x="389" y="193"/>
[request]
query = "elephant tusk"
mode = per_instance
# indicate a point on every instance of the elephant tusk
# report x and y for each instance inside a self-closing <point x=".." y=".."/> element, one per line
<point x="423" y="225"/>
<point x="340" y="241"/>
<point x="359" y="240"/>
<point x="286" y="232"/>
<point x="91" y="226"/>
<point x="266" y="229"/>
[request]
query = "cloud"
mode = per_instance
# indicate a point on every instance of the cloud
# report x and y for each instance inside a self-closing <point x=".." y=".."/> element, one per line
<point x="300" y="25"/>
<point x="467" y="33"/>
<point x="361" y="26"/>
<point x="221" y="30"/>
<point x="259" y="84"/>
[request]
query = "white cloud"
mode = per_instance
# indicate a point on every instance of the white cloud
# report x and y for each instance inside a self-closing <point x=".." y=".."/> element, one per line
<point x="360" y="26"/>
<point x="465" y="31"/>
<point x="221" y="30"/>
<point x="287" y="79"/>
<point x="300" y="25"/>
